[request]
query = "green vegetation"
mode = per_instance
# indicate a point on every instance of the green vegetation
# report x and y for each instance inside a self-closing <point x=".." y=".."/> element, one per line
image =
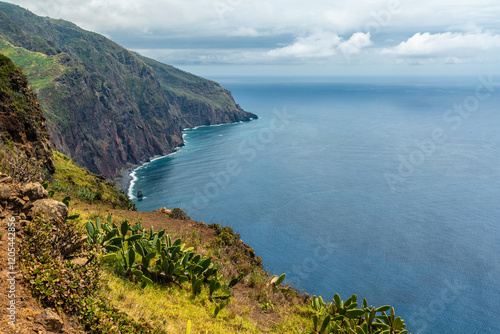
<point x="179" y="83"/>
<point x="58" y="282"/>
<point x="40" y="68"/>
<point x="11" y="84"/>
<point x="178" y="213"/>
<point x="151" y="256"/>
<point x="79" y="183"/>
<point x="7" y="68"/>
<point x="340" y="317"/>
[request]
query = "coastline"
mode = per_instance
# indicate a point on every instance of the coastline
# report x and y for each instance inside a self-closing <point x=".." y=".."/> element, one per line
<point x="126" y="178"/>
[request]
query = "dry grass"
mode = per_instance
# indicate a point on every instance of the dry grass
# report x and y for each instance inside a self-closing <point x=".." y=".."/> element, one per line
<point x="170" y="308"/>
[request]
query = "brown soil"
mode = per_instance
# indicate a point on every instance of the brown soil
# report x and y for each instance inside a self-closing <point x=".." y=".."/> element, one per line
<point x="174" y="227"/>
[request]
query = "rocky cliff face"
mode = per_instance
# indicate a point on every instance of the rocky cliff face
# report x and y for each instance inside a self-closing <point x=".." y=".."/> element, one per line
<point x="22" y="123"/>
<point x="196" y="101"/>
<point x="108" y="107"/>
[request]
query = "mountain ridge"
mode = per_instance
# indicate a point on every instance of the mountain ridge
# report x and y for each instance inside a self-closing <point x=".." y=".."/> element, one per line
<point x="107" y="107"/>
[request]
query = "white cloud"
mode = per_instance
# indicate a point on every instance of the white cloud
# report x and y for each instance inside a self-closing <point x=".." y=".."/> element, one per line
<point x="450" y="48"/>
<point x="354" y="44"/>
<point x="292" y="31"/>
<point x="317" y="45"/>
<point x="322" y="45"/>
<point x="221" y="17"/>
<point x="245" y="32"/>
<point x="454" y="60"/>
<point x="448" y="43"/>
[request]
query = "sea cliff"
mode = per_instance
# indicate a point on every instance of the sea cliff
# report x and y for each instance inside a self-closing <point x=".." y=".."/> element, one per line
<point x="107" y="107"/>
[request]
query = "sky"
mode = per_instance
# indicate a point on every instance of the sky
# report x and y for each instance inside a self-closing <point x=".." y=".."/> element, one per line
<point x="292" y="37"/>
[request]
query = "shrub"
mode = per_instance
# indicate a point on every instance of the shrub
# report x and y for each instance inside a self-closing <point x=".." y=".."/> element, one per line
<point x="55" y="281"/>
<point x="98" y="195"/>
<point x="149" y="256"/>
<point x="178" y="214"/>
<point x="85" y="194"/>
<point x="19" y="168"/>
<point x="344" y="317"/>
<point x="73" y="288"/>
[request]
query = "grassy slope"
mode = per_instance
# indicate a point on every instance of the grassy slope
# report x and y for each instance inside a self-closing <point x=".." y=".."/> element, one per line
<point x="88" y="192"/>
<point x="170" y="308"/>
<point x="40" y="68"/>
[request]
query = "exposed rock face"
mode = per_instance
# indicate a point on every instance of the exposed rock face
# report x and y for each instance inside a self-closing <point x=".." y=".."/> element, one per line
<point x="50" y="208"/>
<point x="207" y="102"/>
<point x="24" y="200"/>
<point x="50" y="320"/>
<point x="107" y="107"/>
<point x="27" y="200"/>
<point x="33" y="191"/>
<point x="165" y="211"/>
<point x="5" y="192"/>
<point x="22" y="122"/>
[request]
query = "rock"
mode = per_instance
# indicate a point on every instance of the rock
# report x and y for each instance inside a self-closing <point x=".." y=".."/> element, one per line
<point x="51" y="209"/>
<point x="4" y="178"/>
<point x="73" y="245"/>
<point x="27" y="206"/>
<point x="80" y="261"/>
<point x="18" y="203"/>
<point x="5" y="192"/>
<point x="50" y="320"/>
<point x="34" y="191"/>
<point x="165" y="211"/>
<point x="139" y="194"/>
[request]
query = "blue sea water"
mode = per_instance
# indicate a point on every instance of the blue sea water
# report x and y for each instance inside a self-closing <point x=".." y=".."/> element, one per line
<point x="387" y="188"/>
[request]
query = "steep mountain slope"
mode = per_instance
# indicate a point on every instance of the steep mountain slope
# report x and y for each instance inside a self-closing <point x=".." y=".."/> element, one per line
<point x="194" y="101"/>
<point x="108" y="107"/>
<point x="22" y="124"/>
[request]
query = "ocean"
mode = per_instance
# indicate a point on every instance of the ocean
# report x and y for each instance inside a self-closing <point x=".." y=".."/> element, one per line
<point x="387" y="188"/>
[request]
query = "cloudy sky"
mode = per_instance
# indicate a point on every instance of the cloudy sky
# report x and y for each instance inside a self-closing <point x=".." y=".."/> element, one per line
<point x="292" y="37"/>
